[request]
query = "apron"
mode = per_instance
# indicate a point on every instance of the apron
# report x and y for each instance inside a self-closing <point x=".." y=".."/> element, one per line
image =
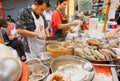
<point x="37" y="45"/>
<point x="61" y="33"/>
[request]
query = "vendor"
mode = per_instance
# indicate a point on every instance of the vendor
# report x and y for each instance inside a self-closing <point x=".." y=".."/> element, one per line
<point x="59" y="20"/>
<point x="30" y="24"/>
<point x="114" y="33"/>
<point x="117" y="15"/>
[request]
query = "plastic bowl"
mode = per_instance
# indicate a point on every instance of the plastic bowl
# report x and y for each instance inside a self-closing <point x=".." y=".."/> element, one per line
<point x="25" y="72"/>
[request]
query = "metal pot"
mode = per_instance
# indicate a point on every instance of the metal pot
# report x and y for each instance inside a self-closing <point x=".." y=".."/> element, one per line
<point x="45" y="58"/>
<point x="10" y="69"/>
<point x="74" y="66"/>
<point x="6" y="51"/>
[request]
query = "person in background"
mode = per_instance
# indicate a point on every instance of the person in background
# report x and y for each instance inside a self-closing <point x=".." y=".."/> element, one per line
<point x="45" y="25"/>
<point x="48" y="13"/>
<point x="9" y="39"/>
<point x="3" y="23"/>
<point x="11" y="26"/>
<point x="59" y="20"/>
<point x="30" y="24"/>
<point x="10" y="18"/>
<point x="117" y="15"/>
<point x="114" y="33"/>
<point x="48" y="16"/>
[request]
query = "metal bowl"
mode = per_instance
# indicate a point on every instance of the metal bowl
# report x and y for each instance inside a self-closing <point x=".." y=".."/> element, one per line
<point x="45" y="58"/>
<point x="33" y="61"/>
<point x="38" y="72"/>
<point x="78" y="68"/>
<point x="10" y="69"/>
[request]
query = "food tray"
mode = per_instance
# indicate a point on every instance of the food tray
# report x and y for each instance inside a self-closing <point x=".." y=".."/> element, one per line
<point x="99" y="61"/>
<point x="105" y="73"/>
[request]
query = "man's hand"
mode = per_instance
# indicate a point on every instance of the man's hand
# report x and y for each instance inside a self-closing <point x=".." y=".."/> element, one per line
<point x="74" y="23"/>
<point x="42" y="37"/>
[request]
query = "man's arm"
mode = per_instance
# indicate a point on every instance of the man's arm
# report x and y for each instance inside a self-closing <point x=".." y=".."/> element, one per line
<point x="25" y="32"/>
<point x="117" y="30"/>
<point x="67" y="25"/>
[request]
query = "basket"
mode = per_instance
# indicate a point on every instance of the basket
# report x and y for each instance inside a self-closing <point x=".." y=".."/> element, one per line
<point x="51" y="48"/>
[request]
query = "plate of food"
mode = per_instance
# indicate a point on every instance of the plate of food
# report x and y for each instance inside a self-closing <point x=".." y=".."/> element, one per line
<point x="57" y="76"/>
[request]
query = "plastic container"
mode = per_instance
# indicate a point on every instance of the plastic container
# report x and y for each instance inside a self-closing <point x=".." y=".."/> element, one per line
<point x="113" y="25"/>
<point x="25" y="72"/>
<point x="100" y="25"/>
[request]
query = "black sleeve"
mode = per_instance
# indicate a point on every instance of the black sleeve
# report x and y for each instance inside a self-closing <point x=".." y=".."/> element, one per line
<point x="25" y="20"/>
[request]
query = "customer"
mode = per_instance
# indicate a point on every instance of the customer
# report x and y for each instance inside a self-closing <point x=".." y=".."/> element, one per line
<point x="59" y="20"/>
<point x="48" y="16"/>
<point x="48" y="13"/>
<point x="10" y="39"/>
<point x="11" y="19"/>
<point x="30" y="24"/>
<point x="11" y="26"/>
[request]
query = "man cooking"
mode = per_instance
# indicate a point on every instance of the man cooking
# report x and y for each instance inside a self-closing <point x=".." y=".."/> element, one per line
<point x="30" y="24"/>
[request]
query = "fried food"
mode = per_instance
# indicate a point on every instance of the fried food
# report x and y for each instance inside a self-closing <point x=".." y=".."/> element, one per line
<point x="93" y="42"/>
<point x="78" y="40"/>
<point x="57" y="78"/>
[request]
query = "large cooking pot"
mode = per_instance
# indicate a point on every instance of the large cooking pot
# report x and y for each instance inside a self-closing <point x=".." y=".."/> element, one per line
<point x="78" y="68"/>
<point x="10" y="69"/>
<point x="10" y="65"/>
<point x="6" y="51"/>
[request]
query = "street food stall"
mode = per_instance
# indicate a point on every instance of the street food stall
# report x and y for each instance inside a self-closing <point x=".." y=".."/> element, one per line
<point x="83" y="55"/>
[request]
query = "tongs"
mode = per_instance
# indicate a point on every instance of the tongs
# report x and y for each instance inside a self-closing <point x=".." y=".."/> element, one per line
<point x="109" y="65"/>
